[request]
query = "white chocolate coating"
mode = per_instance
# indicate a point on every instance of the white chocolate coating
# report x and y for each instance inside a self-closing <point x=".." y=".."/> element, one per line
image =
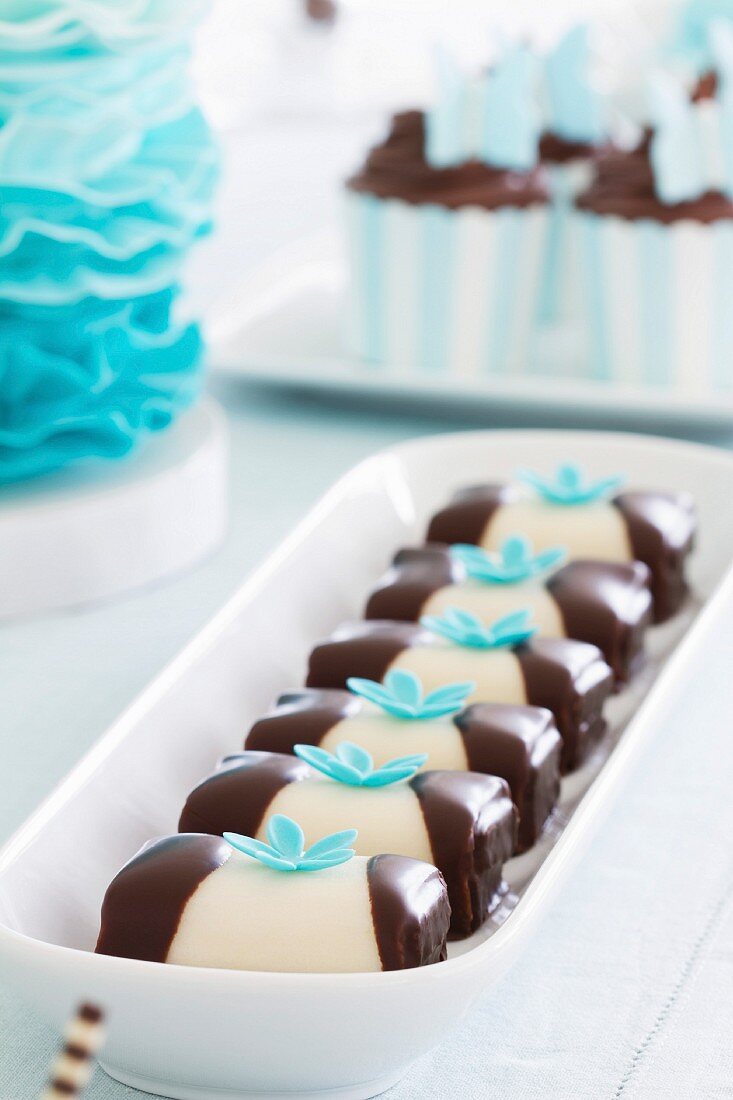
<point x="496" y="672"/>
<point x="385" y="737"/>
<point x="492" y="601"/>
<point x="594" y="531"/>
<point x="389" y="819"/>
<point x="245" y="916"/>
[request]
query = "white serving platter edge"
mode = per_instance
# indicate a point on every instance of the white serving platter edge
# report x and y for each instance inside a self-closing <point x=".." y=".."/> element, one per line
<point x="283" y="326"/>
<point x="197" y="1034"/>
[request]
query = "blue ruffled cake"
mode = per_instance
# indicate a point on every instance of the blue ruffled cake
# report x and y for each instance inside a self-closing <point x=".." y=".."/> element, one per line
<point x="107" y="169"/>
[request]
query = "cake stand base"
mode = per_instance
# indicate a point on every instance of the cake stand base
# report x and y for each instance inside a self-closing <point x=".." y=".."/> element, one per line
<point x="91" y="534"/>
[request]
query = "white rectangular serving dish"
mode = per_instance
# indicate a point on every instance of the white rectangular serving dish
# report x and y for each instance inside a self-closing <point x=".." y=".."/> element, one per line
<point x="198" y="1034"/>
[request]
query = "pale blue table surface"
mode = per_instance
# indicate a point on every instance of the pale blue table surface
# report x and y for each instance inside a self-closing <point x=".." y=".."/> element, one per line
<point x="626" y="989"/>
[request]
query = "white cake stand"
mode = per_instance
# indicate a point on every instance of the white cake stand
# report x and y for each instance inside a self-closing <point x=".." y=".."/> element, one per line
<point x="91" y="534"/>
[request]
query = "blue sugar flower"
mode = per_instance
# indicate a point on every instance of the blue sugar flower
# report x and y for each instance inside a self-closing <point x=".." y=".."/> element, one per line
<point x="569" y="486"/>
<point x="401" y="695"/>
<point x="467" y="630"/>
<point x="354" y="766"/>
<point x="513" y="563"/>
<point x="286" y="850"/>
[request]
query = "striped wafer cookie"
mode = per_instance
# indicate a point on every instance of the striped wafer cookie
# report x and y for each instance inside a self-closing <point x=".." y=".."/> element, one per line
<point x="72" y="1070"/>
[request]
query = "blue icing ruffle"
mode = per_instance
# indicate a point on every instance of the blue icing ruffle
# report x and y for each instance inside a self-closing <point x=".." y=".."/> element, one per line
<point x="52" y="26"/>
<point x="107" y="170"/>
<point x="91" y="380"/>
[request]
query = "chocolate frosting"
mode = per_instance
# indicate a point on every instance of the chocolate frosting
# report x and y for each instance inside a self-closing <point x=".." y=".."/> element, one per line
<point x="522" y="746"/>
<point x="397" y="169"/>
<point x="467" y="515"/>
<point x="410" y="911"/>
<point x="662" y="528"/>
<point x="301" y="718"/>
<point x="361" y="649"/>
<point x="608" y="604"/>
<point x="624" y="187"/>
<point x="145" y="901"/>
<point x="573" y="681"/>
<point x="237" y="797"/>
<point x="558" y="150"/>
<point x="472" y="826"/>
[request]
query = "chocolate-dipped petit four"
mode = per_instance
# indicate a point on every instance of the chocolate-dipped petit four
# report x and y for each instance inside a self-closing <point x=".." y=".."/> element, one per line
<point x="655" y="528"/>
<point x="608" y="604"/>
<point x="241" y="904"/>
<point x="506" y="664"/>
<point x="517" y="743"/>
<point x="462" y="822"/>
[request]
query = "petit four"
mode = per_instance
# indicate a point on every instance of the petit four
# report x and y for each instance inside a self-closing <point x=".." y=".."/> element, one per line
<point x="462" y="822"/>
<point x="241" y="904"/>
<point x="504" y="661"/>
<point x="517" y="743"/>
<point x="582" y="516"/>
<point x="605" y="603"/>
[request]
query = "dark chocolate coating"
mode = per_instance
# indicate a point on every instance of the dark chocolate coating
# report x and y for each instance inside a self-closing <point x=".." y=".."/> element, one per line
<point x="397" y="169"/>
<point x="605" y="603"/>
<point x="573" y="681"/>
<point x="416" y="573"/>
<point x="145" y="901"/>
<point x="301" y="718"/>
<point x="522" y="746"/>
<point x="608" y="604"/>
<point x="472" y="826"/>
<point x="410" y="911"/>
<point x="662" y="528"/>
<point x="465" y="518"/>
<point x="361" y="649"/>
<point x="237" y="797"/>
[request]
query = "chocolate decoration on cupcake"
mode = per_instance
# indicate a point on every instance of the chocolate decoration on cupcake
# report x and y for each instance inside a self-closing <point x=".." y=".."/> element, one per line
<point x="656" y="528"/>
<point x="398" y="169"/>
<point x="567" y="677"/>
<point x="464" y="823"/>
<point x="517" y="743"/>
<point x="607" y="604"/>
<point x="240" y="904"/>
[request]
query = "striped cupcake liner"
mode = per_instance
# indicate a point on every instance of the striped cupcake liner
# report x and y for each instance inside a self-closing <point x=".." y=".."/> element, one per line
<point x="561" y="291"/>
<point x="659" y="303"/>
<point x="437" y="290"/>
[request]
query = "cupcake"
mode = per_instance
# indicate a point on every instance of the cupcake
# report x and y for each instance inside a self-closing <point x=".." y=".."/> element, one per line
<point x="575" y="133"/>
<point x="657" y="225"/>
<point x="446" y="226"/>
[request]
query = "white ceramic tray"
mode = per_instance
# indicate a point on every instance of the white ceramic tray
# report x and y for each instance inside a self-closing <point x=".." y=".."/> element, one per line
<point x="199" y="1034"/>
<point x="284" y="326"/>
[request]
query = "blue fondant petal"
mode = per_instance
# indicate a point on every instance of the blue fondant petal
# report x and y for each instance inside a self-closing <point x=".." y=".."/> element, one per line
<point x="354" y="757"/>
<point x="369" y="689"/>
<point x="249" y="845"/>
<point x="451" y="693"/>
<point x="286" y="836"/>
<point x="334" y="859"/>
<point x="328" y="844"/>
<point x="405" y="686"/>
